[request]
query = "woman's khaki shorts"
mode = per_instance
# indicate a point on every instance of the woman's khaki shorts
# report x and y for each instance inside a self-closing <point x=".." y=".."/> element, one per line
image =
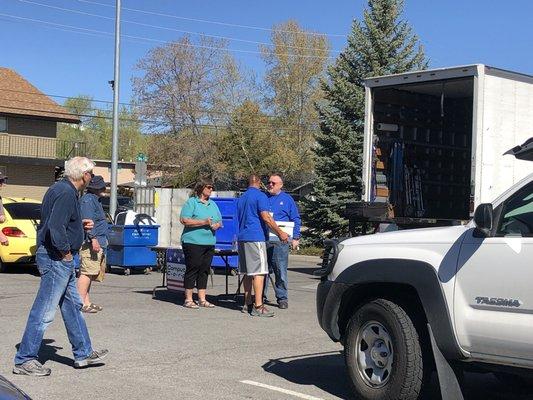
<point x="92" y="262"/>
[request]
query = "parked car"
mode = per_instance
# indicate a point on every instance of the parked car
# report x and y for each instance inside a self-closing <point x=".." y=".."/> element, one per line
<point x="123" y="202"/>
<point x="8" y="391"/>
<point x="20" y="227"/>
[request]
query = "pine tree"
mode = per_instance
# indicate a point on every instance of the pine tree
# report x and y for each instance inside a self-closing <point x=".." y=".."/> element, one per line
<point x="382" y="43"/>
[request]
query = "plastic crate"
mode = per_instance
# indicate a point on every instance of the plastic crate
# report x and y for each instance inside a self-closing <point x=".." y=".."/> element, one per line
<point x="133" y="235"/>
<point x="131" y="256"/>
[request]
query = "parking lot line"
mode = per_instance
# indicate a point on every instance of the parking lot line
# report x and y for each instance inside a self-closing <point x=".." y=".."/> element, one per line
<point x="281" y="390"/>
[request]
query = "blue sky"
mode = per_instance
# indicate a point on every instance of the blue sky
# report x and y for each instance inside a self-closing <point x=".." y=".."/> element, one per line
<point x="62" y="62"/>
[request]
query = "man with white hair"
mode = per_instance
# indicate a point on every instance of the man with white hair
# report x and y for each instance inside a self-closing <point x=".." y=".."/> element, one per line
<point x="59" y="237"/>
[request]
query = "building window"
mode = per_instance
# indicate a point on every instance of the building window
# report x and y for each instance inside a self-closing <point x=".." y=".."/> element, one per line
<point x="3" y="124"/>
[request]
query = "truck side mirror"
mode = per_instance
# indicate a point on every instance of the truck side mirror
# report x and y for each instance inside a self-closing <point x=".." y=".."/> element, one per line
<point x="483" y="218"/>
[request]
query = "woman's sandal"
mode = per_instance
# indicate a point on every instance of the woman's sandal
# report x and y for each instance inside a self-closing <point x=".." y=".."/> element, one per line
<point x="206" y="304"/>
<point x="190" y="304"/>
<point x="96" y="307"/>
<point x="89" y="310"/>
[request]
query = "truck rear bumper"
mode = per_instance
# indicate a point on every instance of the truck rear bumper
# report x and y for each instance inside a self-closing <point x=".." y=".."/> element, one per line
<point x="328" y="300"/>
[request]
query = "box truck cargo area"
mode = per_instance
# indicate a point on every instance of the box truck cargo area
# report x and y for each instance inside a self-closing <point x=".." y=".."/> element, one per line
<point x="434" y="143"/>
<point x="421" y="148"/>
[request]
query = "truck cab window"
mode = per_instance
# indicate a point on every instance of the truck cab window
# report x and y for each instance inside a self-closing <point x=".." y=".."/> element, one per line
<point x="517" y="214"/>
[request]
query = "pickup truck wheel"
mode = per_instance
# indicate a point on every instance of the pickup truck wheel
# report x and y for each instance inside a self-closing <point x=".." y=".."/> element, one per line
<point x="383" y="353"/>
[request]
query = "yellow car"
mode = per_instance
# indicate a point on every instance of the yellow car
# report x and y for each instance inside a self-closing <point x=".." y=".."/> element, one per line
<point x="20" y="226"/>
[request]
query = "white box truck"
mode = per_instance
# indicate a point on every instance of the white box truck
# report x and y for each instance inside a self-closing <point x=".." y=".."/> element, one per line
<point x="434" y="142"/>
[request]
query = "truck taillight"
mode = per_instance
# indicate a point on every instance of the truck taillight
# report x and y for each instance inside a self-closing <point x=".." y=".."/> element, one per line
<point x="13" y="232"/>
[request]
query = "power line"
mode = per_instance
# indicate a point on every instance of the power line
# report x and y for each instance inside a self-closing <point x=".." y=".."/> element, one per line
<point x="255" y="127"/>
<point x="164" y="27"/>
<point x="208" y="21"/>
<point x="69" y="114"/>
<point x="70" y="29"/>
<point x="209" y="112"/>
<point x="157" y="40"/>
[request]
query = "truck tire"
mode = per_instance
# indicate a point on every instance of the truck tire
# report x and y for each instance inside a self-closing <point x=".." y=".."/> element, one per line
<point x="383" y="353"/>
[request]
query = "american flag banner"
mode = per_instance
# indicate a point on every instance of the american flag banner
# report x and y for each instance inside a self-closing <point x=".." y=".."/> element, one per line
<point x="175" y="270"/>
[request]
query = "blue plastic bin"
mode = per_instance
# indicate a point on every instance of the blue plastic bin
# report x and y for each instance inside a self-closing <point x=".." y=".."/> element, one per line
<point x="218" y="262"/>
<point x="133" y="235"/>
<point x="226" y="205"/>
<point x="226" y="234"/>
<point x="131" y="256"/>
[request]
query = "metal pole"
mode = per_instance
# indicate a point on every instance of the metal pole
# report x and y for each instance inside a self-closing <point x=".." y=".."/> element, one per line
<point x="116" y="86"/>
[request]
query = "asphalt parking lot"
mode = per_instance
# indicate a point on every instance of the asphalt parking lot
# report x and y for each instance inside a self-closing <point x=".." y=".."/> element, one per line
<point x="160" y="350"/>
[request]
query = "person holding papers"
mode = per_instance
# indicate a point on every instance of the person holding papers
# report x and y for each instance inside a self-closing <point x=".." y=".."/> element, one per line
<point x="285" y="212"/>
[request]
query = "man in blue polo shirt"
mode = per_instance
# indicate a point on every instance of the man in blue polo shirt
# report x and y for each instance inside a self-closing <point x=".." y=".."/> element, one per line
<point x="283" y="209"/>
<point x="254" y="220"/>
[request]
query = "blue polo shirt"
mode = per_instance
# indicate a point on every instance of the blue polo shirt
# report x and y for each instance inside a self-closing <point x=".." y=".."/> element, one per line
<point x="194" y="208"/>
<point x="284" y="208"/>
<point x="249" y="206"/>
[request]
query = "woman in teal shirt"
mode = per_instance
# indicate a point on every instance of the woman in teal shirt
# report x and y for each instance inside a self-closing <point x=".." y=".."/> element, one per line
<point x="201" y="218"/>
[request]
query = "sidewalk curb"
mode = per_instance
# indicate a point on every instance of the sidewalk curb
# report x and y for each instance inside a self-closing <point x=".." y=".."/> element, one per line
<point x="299" y="257"/>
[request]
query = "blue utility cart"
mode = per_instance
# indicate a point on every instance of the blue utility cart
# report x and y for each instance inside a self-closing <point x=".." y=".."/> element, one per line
<point x="130" y="247"/>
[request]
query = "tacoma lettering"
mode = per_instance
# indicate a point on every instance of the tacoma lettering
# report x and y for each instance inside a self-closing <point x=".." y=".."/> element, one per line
<point x="498" y="301"/>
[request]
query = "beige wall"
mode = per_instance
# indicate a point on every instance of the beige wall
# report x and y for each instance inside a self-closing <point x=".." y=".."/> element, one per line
<point x="124" y="175"/>
<point x="28" y="180"/>
<point x="32" y="127"/>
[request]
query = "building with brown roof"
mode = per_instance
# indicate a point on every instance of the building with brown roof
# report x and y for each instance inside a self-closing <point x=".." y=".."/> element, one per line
<point x="29" y="149"/>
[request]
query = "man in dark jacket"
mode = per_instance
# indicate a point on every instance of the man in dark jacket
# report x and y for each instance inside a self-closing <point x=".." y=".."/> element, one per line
<point x="59" y="237"/>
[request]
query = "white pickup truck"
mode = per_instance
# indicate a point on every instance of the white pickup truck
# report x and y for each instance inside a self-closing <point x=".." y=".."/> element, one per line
<point x="405" y="302"/>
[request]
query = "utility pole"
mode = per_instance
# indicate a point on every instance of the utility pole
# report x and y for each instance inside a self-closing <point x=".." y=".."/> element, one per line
<point x="116" y="87"/>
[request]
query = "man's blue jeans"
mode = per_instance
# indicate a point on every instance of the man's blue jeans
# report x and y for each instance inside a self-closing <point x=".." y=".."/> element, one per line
<point x="278" y="261"/>
<point x="57" y="288"/>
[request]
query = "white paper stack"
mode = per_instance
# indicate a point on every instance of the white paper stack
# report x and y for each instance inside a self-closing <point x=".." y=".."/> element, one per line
<point x="285" y="226"/>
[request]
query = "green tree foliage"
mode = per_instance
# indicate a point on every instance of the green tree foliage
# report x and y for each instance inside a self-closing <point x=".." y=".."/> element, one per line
<point x="190" y="92"/>
<point x="295" y="62"/>
<point x="250" y="145"/>
<point x="96" y="128"/>
<point x="382" y="43"/>
<point x="187" y="155"/>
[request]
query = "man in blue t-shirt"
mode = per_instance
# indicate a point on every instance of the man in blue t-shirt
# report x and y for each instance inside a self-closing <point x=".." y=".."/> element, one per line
<point x="254" y="220"/>
<point x="285" y="212"/>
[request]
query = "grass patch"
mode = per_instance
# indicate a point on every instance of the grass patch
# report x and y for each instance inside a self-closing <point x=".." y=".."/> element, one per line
<point x="309" y="251"/>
